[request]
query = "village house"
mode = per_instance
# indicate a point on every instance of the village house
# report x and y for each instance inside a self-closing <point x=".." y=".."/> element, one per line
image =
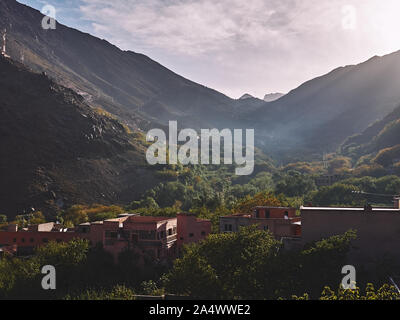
<point x="24" y="241"/>
<point x="162" y="238"/>
<point x="378" y="230"/>
<point x="157" y="237"/>
<point x="281" y="222"/>
<point x="192" y="229"/>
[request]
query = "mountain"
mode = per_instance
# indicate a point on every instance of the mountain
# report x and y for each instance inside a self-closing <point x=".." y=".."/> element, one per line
<point x="273" y="96"/>
<point x="137" y="89"/>
<point x="313" y="118"/>
<point x="320" y="114"/>
<point x="246" y="96"/>
<point x="378" y="144"/>
<point x="56" y="151"/>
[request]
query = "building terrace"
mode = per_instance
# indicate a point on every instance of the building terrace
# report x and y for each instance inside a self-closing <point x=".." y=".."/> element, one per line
<point x="153" y="236"/>
<point x="280" y="221"/>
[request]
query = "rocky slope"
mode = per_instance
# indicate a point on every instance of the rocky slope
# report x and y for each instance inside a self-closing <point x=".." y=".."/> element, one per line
<point x="56" y="151"/>
<point x="134" y="87"/>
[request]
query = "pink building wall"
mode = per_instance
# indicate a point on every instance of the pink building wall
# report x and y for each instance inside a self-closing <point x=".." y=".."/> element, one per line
<point x="191" y="229"/>
<point x="153" y="236"/>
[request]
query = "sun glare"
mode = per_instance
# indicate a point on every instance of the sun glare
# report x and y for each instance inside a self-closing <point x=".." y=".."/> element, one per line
<point x="380" y="21"/>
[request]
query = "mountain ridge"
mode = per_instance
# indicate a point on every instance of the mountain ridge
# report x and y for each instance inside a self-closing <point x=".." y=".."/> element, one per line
<point x="137" y="89"/>
<point x="57" y="151"/>
<point x="322" y="112"/>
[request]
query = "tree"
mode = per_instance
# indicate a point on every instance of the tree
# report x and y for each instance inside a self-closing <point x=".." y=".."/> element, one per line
<point x="295" y="184"/>
<point x="338" y="194"/>
<point x="226" y="266"/>
<point x="386" y="292"/>
<point x="321" y="261"/>
<point x="116" y="293"/>
<point x="37" y="218"/>
<point x="76" y="215"/>
<point x="260" y="199"/>
<point x="3" y="218"/>
<point x="21" y="278"/>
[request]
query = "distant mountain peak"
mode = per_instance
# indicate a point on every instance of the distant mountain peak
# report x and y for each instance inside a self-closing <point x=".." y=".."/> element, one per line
<point x="269" y="97"/>
<point x="246" y="96"/>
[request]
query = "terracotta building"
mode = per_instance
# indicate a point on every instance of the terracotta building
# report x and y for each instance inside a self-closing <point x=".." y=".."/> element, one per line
<point x="156" y="237"/>
<point x="192" y="229"/>
<point x="24" y="241"/>
<point x="378" y="230"/>
<point x="281" y="222"/>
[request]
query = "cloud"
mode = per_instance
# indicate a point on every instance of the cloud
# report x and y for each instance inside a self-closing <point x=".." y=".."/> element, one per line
<point x="250" y="46"/>
<point x="196" y="26"/>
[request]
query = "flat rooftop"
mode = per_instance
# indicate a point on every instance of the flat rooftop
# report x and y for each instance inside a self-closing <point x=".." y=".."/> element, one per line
<point x="238" y="215"/>
<point x="266" y="207"/>
<point x="143" y="219"/>
<point x="346" y="209"/>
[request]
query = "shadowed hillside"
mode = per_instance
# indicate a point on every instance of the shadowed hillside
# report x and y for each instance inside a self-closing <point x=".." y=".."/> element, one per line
<point x="379" y="144"/>
<point x="321" y="113"/>
<point x="57" y="151"/>
<point x="127" y="84"/>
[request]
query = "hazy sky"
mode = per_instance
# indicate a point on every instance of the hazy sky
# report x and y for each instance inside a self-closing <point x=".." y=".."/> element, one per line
<point x="241" y="46"/>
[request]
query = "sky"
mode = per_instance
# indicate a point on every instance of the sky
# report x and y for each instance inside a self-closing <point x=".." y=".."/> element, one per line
<point x="241" y="46"/>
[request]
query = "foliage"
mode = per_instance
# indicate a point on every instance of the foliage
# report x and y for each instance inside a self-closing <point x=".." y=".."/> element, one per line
<point x="389" y="135"/>
<point x="225" y="266"/>
<point x="3" y="218"/>
<point x="246" y="204"/>
<point x="119" y="292"/>
<point x="21" y="277"/>
<point x="25" y="220"/>
<point x="342" y="193"/>
<point x="251" y="265"/>
<point x="337" y="194"/>
<point x="151" y="288"/>
<point x="304" y="167"/>
<point x="37" y="218"/>
<point x="386" y="292"/>
<point x="78" y="214"/>
<point x="295" y="184"/>
<point x="386" y="157"/>
<point x="339" y="165"/>
<point x="372" y="170"/>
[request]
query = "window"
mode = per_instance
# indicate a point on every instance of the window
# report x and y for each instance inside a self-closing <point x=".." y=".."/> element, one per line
<point x="84" y="230"/>
<point x="228" y="227"/>
<point x="191" y="235"/>
<point x="286" y="215"/>
<point x="45" y="240"/>
<point x="266" y="228"/>
<point x="203" y="233"/>
<point x="170" y="232"/>
<point x="23" y="240"/>
<point x="15" y="240"/>
<point x="181" y="238"/>
<point x="32" y="240"/>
